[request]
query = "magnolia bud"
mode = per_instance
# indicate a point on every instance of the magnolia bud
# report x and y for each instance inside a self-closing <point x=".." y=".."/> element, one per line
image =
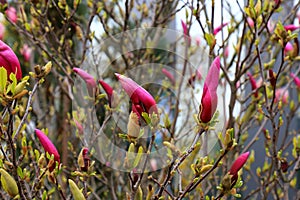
<point x="133" y="127"/>
<point x="77" y="194"/>
<point x="83" y="159"/>
<point x="9" y="184"/>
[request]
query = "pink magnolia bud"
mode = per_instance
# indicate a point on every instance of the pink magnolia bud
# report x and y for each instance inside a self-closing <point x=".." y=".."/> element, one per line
<point x="79" y="127"/>
<point x="209" y="99"/>
<point x="237" y="165"/>
<point x="108" y="90"/>
<point x="219" y="28"/>
<point x="226" y="52"/>
<point x="198" y="41"/>
<point x="2" y="31"/>
<point x="298" y="16"/>
<point x="250" y="22"/>
<point x="89" y="80"/>
<point x="253" y="85"/>
<point x="288" y="47"/>
<point x="26" y="52"/>
<point x="9" y="60"/>
<point x="296" y="80"/>
<point x="277" y="3"/>
<point x="282" y="94"/>
<point x="141" y="99"/>
<point x="83" y="159"/>
<point x="270" y="26"/>
<point x="11" y="14"/>
<point x="291" y="27"/>
<point x="184" y="27"/>
<point x="48" y="146"/>
<point x="272" y="78"/>
<point x="169" y="75"/>
<point x="186" y="32"/>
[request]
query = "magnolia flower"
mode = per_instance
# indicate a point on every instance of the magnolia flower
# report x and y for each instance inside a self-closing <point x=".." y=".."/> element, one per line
<point x="296" y="80"/>
<point x="169" y="75"/>
<point x="209" y="99"/>
<point x="250" y="22"/>
<point x="141" y="99"/>
<point x="282" y="94"/>
<point x="26" y="52"/>
<point x="291" y="27"/>
<point x="237" y="165"/>
<point x="9" y="60"/>
<point x="11" y="14"/>
<point x="108" y="90"/>
<point x="217" y="29"/>
<point x="298" y="16"/>
<point x="48" y="147"/>
<point x="89" y="80"/>
<point x="253" y="85"/>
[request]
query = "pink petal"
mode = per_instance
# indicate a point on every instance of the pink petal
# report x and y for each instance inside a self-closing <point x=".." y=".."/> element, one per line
<point x="138" y="95"/>
<point x="9" y="60"/>
<point x="109" y="91"/>
<point x="79" y="127"/>
<point x="270" y="26"/>
<point x="48" y="146"/>
<point x="250" y="22"/>
<point x="291" y="27"/>
<point x="219" y="28"/>
<point x="11" y="14"/>
<point x="89" y="80"/>
<point x="169" y="75"/>
<point x="198" y="41"/>
<point x="288" y="47"/>
<point x="186" y="33"/>
<point x="226" y="52"/>
<point x="26" y="52"/>
<point x="184" y="27"/>
<point x="209" y="98"/>
<point x="209" y="103"/>
<point x="239" y="163"/>
<point x="281" y="94"/>
<point x="296" y="80"/>
<point x="212" y="78"/>
<point x="253" y="84"/>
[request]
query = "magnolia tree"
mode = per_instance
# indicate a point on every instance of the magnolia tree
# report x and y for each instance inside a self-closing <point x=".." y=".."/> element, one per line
<point x="110" y="100"/>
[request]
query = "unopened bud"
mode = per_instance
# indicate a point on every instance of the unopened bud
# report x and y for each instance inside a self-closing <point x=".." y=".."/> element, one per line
<point x="83" y="159"/>
<point x="76" y="193"/>
<point x="133" y="127"/>
<point x="8" y="183"/>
